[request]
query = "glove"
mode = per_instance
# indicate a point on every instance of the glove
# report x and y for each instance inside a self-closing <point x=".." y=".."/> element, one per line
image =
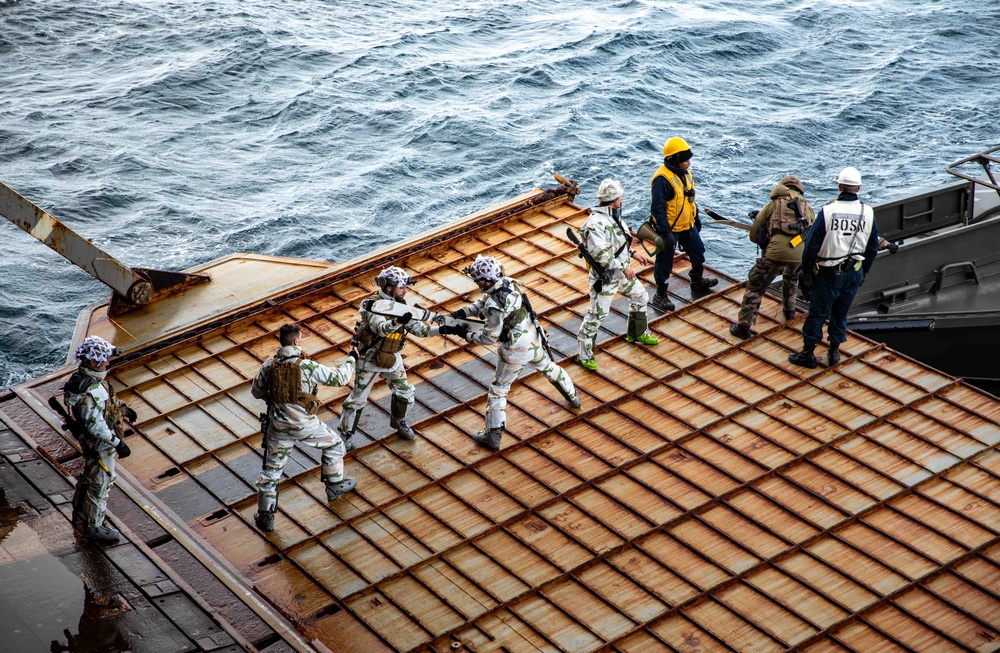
<point x="752" y="215"/>
<point x="460" y="314"/>
<point x="460" y="330"/>
<point x="354" y="354"/>
<point x="893" y="248"/>
<point x="129" y="414"/>
<point x="122" y="449"/>
<point x="806" y="283"/>
<point x="404" y="319"/>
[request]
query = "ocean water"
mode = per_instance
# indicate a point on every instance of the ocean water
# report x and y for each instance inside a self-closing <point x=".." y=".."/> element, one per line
<point x="172" y="133"/>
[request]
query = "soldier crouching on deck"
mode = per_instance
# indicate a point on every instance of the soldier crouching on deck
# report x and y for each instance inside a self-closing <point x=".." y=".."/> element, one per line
<point x="522" y="343"/>
<point x="288" y="383"/>
<point x="381" y="338"/>
<point x="97" y="416"/>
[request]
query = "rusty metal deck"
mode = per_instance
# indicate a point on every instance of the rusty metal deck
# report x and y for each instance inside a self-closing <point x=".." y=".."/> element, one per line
<point x="708" y="496"/>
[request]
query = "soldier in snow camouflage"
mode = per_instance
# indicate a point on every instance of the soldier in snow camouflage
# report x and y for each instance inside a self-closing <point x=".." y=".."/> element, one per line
<point x="95" y="417"/>
<point x="288" y="383"/>
<point x="608" y="241"/>
<point x="511" y="323"/>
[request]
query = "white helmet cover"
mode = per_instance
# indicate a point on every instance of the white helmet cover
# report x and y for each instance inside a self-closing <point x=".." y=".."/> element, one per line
<point x="485" y="268"/>
<point x="609" y="191"/>
<point x="95" y="349"/>
<point x="849" y="176"/>
<point x="393" y="276"/>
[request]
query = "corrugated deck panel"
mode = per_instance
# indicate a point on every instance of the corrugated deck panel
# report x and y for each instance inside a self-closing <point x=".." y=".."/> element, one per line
<point x="708" y="496"/>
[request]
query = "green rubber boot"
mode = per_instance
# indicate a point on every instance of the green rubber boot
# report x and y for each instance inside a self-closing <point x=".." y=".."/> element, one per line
<point x="638" y="331"/>
<point x="590" y="364"/>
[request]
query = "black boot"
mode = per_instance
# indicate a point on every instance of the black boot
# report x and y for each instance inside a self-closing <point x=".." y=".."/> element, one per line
<point x="102" y="534"/>
<point x="397" y="410"/>
<point x="741" y="331"/>
<point x="789" y="315"/>
<point x="833" y="354"/>
<point x="489" y="438"/>
<point x="264" y="521"/>
<point x="661" y="301"/>
<point x="699" y="284"/>
<point x="336" y="490"/>
<point x="79" y="519"/>
<point x="804" y="358"/>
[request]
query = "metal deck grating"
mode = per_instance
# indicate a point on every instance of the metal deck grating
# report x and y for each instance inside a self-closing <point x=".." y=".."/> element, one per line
<point x="708" y="496"/>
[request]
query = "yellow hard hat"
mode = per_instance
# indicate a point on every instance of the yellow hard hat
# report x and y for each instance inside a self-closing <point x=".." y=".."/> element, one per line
<point x="675" y="145"/>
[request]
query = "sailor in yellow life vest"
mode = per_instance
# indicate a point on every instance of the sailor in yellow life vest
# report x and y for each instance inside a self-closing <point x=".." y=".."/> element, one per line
<point x="674" y="214"/>
<point x="381" y="338"/>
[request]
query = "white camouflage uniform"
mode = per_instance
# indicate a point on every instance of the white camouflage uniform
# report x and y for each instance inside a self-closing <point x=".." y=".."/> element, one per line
<point x="603" y="235"/>
<point x="98" y="446"/>
<point x="367" y="370"/>
<point x="524" y="348"/>
<point x="290" y="423"/>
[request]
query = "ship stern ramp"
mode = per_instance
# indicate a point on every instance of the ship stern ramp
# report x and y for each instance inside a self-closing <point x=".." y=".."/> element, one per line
<point x="707" y="496"/>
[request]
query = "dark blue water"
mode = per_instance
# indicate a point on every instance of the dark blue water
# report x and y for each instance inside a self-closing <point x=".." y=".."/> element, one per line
<point x="172" y="133"/>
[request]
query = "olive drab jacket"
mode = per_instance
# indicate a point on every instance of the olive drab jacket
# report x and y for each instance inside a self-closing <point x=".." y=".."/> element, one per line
<point x="680" y="210"/>
<point x="291" y="419"/>
<point x="780" y="247"/>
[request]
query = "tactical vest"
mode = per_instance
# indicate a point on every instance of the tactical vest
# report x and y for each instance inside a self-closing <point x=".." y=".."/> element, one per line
<point x="515" y="317"/>
<point x="789" y="217"/>
<point x="385" y="348"/>
<point x="284" y="385"/>
<point x="680" y="209"/>
<point x="80" y="383"/>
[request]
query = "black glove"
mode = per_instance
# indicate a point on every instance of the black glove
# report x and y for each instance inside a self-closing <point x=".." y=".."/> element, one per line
<point x="122" y="449"/>
<point x="460" y="330"/>
<point x="752" y="215"/>
<point x="354" y="354"/>
<point x="806" y="282"/>
<point x="893" y="248"/>
<point x="404" y="319"/>
<point x="460" y="314"/>
<point x="129" y="414"/>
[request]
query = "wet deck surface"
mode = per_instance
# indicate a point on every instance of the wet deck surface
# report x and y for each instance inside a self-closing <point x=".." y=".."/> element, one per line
<point x="708" y="496"/>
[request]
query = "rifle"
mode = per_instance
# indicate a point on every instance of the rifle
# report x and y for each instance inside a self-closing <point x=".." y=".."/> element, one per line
<point x="603" y="276"/>
<point x="421" y="314"/>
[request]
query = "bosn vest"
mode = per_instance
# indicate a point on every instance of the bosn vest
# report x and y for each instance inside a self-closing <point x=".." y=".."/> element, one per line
<point x="848" y="226"/>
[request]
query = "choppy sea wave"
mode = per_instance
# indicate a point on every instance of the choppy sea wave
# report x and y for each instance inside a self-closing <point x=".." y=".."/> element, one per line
<point x="172" y="133"/>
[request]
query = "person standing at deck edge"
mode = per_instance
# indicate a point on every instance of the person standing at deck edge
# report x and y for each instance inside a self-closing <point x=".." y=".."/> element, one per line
<point x="288" y="383"/>
<point x="511" y="322"/>
<point x="674" y="214"/>
<point x="608" y="241"/>
<point x="97" y="415"/>
<point x="840" y="250"/>
<point x="784" y="221"/>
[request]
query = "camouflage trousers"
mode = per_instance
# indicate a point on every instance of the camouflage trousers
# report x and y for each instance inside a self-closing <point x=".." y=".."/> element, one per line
<point x="510" y="362"/>
<point x="90" y="500"/>
<point x="279" y="449"/>
<point x="600" y="307"/>
<point x="364" y="379"/>
<point x="763" y="272"/>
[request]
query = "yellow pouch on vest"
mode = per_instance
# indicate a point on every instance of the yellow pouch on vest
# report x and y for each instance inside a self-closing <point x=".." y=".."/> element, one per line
<point x="795" y="242"/>
<point x="858" y="266"/>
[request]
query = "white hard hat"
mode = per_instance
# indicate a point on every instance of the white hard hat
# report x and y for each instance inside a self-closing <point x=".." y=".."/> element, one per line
<point x="609" y="191"/>
<point x="849" y="177"/>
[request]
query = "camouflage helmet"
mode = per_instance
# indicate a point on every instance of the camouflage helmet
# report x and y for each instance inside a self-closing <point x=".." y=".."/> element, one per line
<point x="96" y="350"/>
<point x="393" y="276"/>
<point x="485" y="268"/>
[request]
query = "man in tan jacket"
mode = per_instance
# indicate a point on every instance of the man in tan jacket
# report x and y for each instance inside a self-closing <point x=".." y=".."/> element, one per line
<point x="779" y="229"/>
